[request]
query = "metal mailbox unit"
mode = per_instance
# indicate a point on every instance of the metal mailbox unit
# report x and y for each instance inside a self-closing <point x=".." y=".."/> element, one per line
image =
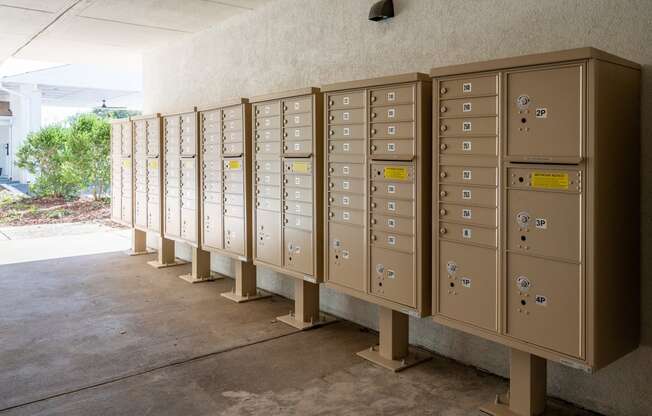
<point x="181" y="207"/>
<point x="378" y="212"/>
<point x="288" y="186"/>
<point x="538" y="211"/>
<point x="226" y="190"/>
<point x="122" y="175"/>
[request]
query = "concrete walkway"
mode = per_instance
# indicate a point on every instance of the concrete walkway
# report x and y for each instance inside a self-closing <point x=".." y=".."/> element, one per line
<point x="50" y="241"/>
<point x="108" y="335"/>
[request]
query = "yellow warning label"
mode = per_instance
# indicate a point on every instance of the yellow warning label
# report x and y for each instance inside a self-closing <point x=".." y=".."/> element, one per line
<point x="550" y="180"/>
<point x="235" y="165"/>
<point x="398" y="173"/>
<point x="126" y="163"/>
<point x="301" y="167"/>
<point x="153" y="164"/>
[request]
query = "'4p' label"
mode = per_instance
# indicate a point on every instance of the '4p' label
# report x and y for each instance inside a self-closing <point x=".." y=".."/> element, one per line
<point x="541" y="112"/>
<point x="466" y="282"/>
<point x="541" y="300"/>
<point x="541" y="223"/>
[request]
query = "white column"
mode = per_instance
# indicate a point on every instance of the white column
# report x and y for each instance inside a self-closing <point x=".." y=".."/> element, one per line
<point x="26" y="108"/>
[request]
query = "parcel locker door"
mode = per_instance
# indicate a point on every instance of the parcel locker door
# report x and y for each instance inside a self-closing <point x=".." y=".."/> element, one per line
<point x="189" y="224"/>
<point x="545" y="112"/>
<point x="212" y="226"/>
<point x="268" y="237"/>
<point x="543" y="303"/>
<point x="346" y="256"/>
<point x="234" y="235"/>
<point x="467" y="284"/>
<point x="140" y="215"/>
<point x="298" y="250"/>
<point x="154" y="217"/>
<point x="393" y="276"/>
<point x="172" y="217"/>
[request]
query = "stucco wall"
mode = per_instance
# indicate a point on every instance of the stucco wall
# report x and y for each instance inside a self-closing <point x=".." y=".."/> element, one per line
<point x="296" y="43"/>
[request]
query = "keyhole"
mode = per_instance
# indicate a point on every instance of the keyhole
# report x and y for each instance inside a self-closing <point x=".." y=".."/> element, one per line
<point x="524" y="120"/>
<point x="523" y="302"/>
<point x="520" y="179"/>
<point x="523" y="238"/>
<point x="452" y="284"/>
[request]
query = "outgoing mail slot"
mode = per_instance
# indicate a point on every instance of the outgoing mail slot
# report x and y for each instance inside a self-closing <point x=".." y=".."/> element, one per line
<point x="299" y="181"/>
<point x="264" y="123"/>
<point x="469" y="87"/>
<point x="392" y="95"/>
<point x="234" y="199"/>
<point x="298" y="133"/>
<point x="232" y="113"/>
<point x="268" y="204"/>
<point x="235" y="136"/>
<point x="391" y="149"/>
<point x="297" y="120"/>
<point x="393" y="276"/>
<point x="541" y="292"/>
<point x="268" y="237"/>
<point x="172" y="217"/>
<point x="392" y="114"/>
<point x="347" y="100"/>
<point x="269" y="191"/>
<point x="212" y="151"/>
<point x="356" y="131"/>
<point x="468" y="174"/>
<point x="460" y="127"/>
<point x="298" y="221"/>
<point x="234" y="234"/>
<point x="392" y="172"/>
<point x="212" y="231"/>
<point x="233" y="149"/>
<point x="355" y="186"/>
<point x="347" y="148"/>
<point x="466" y="107"/>
<point x="353" y="116"/>
<point x="468" y="214"/>
<point x="267" y="109"/>
<point x="347" y="170"/>
<point x="347" y="200"/>
<point x="153" y="217"/>
<point x="468" y="234"/>
<point x="347" y="216"/>
<point x="392" y="190"/>
<point x="268" y="148"/>
<point x="269" y="179"/>
<point x="405" y="130"/>
<point x="544" y="223"/>
<point x="298" y="194"/>
<point x="467" y="284"/>
<point x="392" y="224"/>
<point x="303" y="147"/>
<point x="273" y="135"/>
<point x="234" y="211"/>
<point x="298" y="250"/>
<point x="473" y="146"/>
<point x="386" y="206"/>
<point x="299" y="208"/>
<point x="346" y="256"/>
<point x="392" y="241"/>
<point x="297" y="105"/>
<point x="545" y="112"/>
<point x="212" y="197"/>
<point x="233" y="187"/>
<point x="268" y="166"/>
<point x="468" y="195"/>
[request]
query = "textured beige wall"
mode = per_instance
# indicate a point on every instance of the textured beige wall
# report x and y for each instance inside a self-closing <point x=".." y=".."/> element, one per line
<point x="296" y="43"/>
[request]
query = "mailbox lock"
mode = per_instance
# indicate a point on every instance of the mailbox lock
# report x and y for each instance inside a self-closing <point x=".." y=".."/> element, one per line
<point x="332" y="185"/>
<point x="443" y="109"/>
<point x="331" y="214"/>
<point x="373" y="99"/>
<point x="442" y="212"/>
<point x="443" y="193"/>
<point x="331" y="118"/>
<point x="443" y="127"/>
<point x="443" y="147"/>
<point x="442" y="230"/>
<point x="332" y="132"/>
<point x="331" y="147"/>
<point x="373" y="131"/>
<point x="373" y="205"/>
<point x="331" y="170"/>
<point x="444" y="90"/>
<point x="285" y="121"/>
<point x="374" y="221"/>
<point x="373" y="237"/>
<point x="331" y="102"/>
<point x="443" y="174"/>
<point x="373" y="188"/>
<point x="285" y="135"/>
<point x="373" y="147"/>
<point x="373" y="115"/>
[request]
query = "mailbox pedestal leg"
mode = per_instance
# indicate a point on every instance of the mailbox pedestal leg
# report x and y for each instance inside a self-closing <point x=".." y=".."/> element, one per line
<point x="306" y="307"/>
<point x="138" y="243"/>
<point x="527" y="388"/>
<point x="245" y="284"/>
<point x="166" y="256"/>
<point x="393" y="351"/>
<point x="201" y="267"/>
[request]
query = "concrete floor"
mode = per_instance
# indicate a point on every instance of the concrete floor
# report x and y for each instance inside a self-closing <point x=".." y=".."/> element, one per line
<point x="108" y="335"/>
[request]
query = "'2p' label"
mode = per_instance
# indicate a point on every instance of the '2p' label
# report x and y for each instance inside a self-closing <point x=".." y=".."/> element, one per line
<point x="541" y="112"/>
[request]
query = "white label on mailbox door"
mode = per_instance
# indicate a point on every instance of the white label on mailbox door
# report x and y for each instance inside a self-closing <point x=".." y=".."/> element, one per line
<point x="345" y="170"/>
<point x="391" y="113"/>
<point x="466" y="194"/>
<point x="297" y="119"/>
<point x="467" y="87"/>
<point x="466" y="107"/>
<point x="346" y="147"/>
<point x="297" y="195"/>
<point x="346" y="116"/>
<point x="346" y="131"/>
<point x="391" y="222"/>
<point x="267" y="179"/>
<point x="345" y="100"/>
<point x="466" y="282"/>
<point x="297" y="181"/>
<point x="268" y="147"/>
<point x="391" y="130"/>
<point x="391" y="147"/>
<point x="268" y="166"/>
<point x="466" y="146"/>
<point x="541" y="112"/>
<point x="297" y="146"/>
<point x="267" y="109"/>
<point x="346" y="200"/>
<point x="297" y="132"/>
<point x="466" y="213"/>
<point x="268" y="134"/>
<point x="466" y="175"/>
<point x="297" y="208"/>
<point x="391" y="206"/>
<point x="541" y="300"/>
<point x="267" y="122"/>
<point x="391" y="240"/>
<point x="391" y="189"/>
<point x="297" y="222"/>
<point x="391" y="274"/>
<point x="297" y="105"/>
<point x="345" y="254"/>
<point x="346" y="215"/>
<point x="466" y="232"/>
<point x="346" y="185"/>
<point x="541" y="223"/>
<point x="391" y="96"/>
<point x="467" y="126"/>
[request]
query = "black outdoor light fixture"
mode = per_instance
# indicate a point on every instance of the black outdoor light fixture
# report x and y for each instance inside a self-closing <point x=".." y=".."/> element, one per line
<point x="382" y="10"/>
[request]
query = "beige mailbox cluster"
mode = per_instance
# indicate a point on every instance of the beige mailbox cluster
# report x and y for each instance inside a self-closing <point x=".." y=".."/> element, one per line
<point x="499" y="197"/>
